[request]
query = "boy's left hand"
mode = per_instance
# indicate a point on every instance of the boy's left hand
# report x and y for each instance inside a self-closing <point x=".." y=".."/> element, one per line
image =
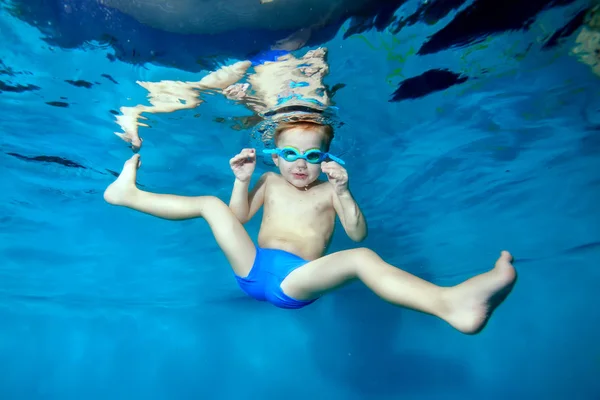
<point x="337" y="175"/>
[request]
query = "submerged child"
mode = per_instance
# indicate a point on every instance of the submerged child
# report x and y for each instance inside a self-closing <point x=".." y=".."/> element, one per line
<point x="288" y="268"/>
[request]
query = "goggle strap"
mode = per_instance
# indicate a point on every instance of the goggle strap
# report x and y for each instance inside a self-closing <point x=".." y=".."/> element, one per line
<point x="336" y="159"/>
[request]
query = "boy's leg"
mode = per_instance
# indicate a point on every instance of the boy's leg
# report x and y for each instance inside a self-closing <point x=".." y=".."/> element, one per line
<point x="227" y="230"/>
<point x="466" y="306"/>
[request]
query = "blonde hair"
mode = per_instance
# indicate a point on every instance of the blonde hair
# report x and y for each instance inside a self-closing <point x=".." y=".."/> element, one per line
<point x="325" y="130"/>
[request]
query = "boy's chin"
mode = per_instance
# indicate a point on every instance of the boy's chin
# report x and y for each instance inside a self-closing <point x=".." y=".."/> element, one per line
<point x="301" y="184"/>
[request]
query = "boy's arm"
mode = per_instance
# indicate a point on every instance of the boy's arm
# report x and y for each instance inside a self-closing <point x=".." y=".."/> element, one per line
<point x="350" y="215"/>
<point x="243" y="204"/>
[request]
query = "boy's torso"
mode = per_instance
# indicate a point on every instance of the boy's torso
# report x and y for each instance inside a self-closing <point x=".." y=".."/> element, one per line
<point x="300" y="222"/>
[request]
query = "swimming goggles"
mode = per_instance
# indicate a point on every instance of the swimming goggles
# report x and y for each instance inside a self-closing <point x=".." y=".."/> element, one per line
<point x="312" y="156"/>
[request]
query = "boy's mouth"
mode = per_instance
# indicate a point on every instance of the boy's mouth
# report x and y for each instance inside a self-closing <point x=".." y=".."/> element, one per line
<point x="299" y="175"/>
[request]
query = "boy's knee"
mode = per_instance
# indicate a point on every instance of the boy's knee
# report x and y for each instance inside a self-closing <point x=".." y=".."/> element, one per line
<point x="363" y="257"/>
<point x="363" y="252"/>
<point x="214" y="201"/>
<point x="212" y="206"/>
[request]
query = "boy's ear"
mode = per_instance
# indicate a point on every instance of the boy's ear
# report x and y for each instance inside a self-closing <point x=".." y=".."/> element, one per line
<point x="275" y="159"/>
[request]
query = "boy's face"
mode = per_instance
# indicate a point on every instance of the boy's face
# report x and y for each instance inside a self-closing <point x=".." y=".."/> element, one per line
<point x="299" y="173"/>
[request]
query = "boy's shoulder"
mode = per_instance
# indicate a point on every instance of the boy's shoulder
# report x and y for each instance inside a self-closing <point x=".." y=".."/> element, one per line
<point x="268" y="176"/>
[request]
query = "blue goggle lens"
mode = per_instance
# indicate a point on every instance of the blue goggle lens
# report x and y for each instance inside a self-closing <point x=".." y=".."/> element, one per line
<point x="312" y="156"/>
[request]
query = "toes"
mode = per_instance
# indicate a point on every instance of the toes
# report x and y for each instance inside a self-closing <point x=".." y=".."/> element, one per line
<point x="506" y="254"/>
<point x="505" y="266"/>
<point x="134" y="160"/>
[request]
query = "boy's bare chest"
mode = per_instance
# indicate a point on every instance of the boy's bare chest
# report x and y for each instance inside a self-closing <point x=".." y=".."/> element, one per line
<point x="291" y="202"/>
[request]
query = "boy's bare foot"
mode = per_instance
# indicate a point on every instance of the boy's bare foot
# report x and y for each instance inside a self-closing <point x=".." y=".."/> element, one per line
<point x="123" y="188"/>
<point x="471" y="303"/>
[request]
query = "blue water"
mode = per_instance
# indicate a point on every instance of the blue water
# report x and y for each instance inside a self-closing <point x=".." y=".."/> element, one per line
<point x="100" y="302"/>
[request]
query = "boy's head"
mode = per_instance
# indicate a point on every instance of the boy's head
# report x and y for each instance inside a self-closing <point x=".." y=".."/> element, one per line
<point x="302" y="136"/>
<point x="324" y="132"/>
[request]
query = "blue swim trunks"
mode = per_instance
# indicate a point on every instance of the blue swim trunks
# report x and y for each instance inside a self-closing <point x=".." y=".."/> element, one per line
<point x="263" y="283"/>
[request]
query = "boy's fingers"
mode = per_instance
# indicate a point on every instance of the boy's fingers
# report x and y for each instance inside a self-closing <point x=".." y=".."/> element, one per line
<point x="248" y="153"/>
<point x="241" y="159"/>
<point x="242" y="156"/>
<point x="237" y="160"/>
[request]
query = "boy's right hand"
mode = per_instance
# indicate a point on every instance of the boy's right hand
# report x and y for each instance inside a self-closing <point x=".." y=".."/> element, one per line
<point x="243" y="164"/>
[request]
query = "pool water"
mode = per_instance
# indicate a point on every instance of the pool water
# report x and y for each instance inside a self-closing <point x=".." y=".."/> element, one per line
<point x="497" y="148"/>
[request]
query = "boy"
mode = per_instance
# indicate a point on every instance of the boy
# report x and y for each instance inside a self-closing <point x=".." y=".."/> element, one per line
<point x="288" y="268"/>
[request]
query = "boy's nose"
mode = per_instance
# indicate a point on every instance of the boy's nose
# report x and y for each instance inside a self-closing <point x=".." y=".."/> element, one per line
<point x="301" y="163"/>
